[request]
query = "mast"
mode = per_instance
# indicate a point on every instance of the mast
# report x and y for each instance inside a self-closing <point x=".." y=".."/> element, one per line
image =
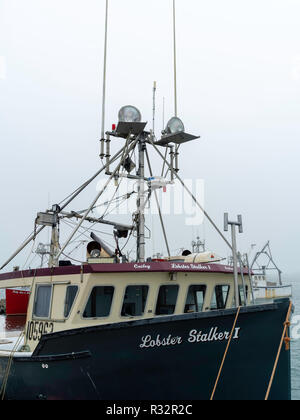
<point x="54" y="247"/>
<point x="141" y="202"/>
<point x="154" y="110"/>
<point x="175" y="59"/>
<point x="102" y="140"/>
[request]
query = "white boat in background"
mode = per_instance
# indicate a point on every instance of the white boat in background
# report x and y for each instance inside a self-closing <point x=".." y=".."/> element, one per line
<point x="265" y="286"/>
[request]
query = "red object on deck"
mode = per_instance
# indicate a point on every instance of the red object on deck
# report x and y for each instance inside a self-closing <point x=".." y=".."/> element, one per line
<point x="17" y="301"/>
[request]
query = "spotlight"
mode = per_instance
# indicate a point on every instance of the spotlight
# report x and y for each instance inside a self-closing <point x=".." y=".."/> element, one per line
<point x="174" y="126"/>
<point x="129" y="114"/>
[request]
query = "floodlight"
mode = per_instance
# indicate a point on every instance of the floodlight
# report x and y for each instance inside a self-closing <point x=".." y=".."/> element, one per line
<point x="129" y="114"/>
<point x="175" y="133"/>
<point x="174" y="126"/>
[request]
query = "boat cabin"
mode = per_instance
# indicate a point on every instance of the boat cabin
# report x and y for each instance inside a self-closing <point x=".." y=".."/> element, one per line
<point x="66" y="298"/>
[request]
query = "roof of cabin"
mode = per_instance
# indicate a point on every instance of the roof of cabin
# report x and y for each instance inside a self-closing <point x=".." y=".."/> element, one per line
<point x="148" y="267"/>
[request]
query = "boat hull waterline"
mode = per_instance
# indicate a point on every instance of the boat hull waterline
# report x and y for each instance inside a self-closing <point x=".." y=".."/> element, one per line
<point x="166" y="358"/>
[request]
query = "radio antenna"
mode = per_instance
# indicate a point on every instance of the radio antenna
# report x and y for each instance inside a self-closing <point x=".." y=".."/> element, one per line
<point x="175" y="58"/>
<point x="175" y="80"/>
<point x="163" y="115"/>
<point x="154" y="108"/>
<point x="102" y="154"/>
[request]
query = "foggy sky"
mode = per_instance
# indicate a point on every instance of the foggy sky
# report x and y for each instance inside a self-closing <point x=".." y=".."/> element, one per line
<point x="238" y="88"/>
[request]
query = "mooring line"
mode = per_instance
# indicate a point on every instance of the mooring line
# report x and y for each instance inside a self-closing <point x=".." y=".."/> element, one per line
<point x="225" y="354"/>
<point x="9" y="365"/>
<point x="283" y="338"/>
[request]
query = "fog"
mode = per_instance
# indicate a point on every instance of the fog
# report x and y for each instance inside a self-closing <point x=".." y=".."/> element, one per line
<point x="238" y="88"/>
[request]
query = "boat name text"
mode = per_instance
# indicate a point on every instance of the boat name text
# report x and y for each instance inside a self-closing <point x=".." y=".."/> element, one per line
<point x="190" y="266"/>
<point x="194" y="337"/>
<point x="142" y="266"/>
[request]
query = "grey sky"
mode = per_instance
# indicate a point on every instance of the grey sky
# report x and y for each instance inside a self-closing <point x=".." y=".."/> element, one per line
<point x="238" y="87"/>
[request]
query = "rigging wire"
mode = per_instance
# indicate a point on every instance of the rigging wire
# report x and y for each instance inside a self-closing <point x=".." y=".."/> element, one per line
<point x="95" y="200"/>
<point x="81" y="233"/>
<point x="70" y="222"/>
<point x="73" y="195"/>
<point x="84" y="234"/>
<point x="106" y="202"/>
<point x="130" y="236"/>
<point x="30" y="253"/>
<point x="119" y="184"/>
<point x="73" y="259"/>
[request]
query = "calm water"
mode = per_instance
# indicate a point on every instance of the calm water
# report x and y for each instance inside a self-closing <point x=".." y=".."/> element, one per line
<point x="11" y="325"/>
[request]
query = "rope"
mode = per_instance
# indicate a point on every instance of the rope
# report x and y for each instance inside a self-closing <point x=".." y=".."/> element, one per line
<point x="8" y="367"/>
<point x="14" y="350"/>
<point x="225" y="354"/>
<point x="285" y="339"/>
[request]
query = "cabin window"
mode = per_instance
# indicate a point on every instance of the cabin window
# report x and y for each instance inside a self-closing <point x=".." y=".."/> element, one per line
<point x="99" y="303"/>
<point x="42" y="301"/>
<point x="243" y="300"/>
<point x="70" y="298"/>
<point x="135" y="300"/>
<point x="220" y="297"/>
<point x="195" y="299"/>
<point x="167" y="299"/>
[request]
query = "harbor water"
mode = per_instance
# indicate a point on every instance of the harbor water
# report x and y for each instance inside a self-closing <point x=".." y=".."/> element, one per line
<point x="12" y="326"/>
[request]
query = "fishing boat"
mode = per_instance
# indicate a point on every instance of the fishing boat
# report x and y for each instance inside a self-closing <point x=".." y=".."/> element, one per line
<point x="267" y="277"/>
<point x="115" y="328"/>
<point x="16" y="300"/>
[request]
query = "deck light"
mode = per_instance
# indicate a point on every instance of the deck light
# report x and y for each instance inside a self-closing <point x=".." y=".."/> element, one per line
<point x="175" y="125"/>
<point x="129" y="122"/>
<point x="129" y="113"/>
<point x="175" y="133"/>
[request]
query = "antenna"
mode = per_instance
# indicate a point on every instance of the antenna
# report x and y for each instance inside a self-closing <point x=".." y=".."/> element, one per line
<point x="163" y="114"/>
<point x="175" y="79"/>
<point x="102" y="154"/>
<point x="175" y="58"/>
<point x="154" y="108"/>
